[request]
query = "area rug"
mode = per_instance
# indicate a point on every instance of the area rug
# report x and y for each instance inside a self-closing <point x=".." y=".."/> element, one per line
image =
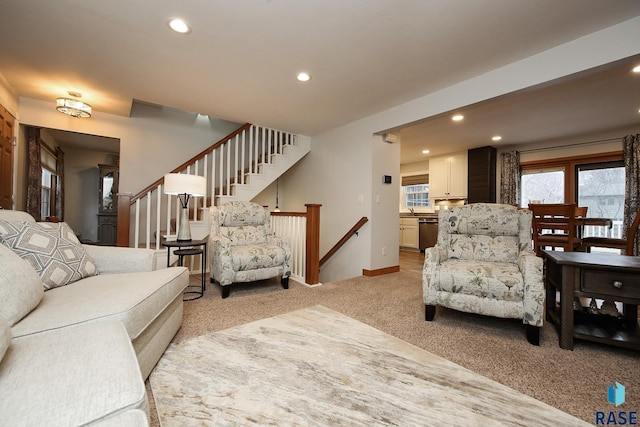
<point x="317" y="367"/>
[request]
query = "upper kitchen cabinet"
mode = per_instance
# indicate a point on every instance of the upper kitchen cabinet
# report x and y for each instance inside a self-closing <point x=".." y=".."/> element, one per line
<point x="448" y="176"/>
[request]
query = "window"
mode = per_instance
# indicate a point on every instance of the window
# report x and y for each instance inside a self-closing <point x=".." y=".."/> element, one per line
<point x="47" y="193"/>
<point x="415" y="191"/>
<point x="600" y="187"/>
<point x="596" y="181"/>
<point x="544" y="185"/>
<point x="49" y="180"/>
<point x="416" y="195"/>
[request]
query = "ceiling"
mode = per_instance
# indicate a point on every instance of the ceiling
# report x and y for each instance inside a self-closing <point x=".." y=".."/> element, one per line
<point x="241" y="57"/>
<point x="598" y="100"/>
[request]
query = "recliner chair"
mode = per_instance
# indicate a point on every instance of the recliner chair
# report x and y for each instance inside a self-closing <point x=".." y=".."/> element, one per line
<point x="242" y="247"/>
<point x="484" y="263"/>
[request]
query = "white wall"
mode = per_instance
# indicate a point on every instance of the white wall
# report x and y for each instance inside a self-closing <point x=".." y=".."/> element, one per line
<point x="153" y="140"/>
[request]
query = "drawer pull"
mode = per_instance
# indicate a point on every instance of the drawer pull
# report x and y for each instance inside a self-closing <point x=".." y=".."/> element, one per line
<point x="617" y="284"/>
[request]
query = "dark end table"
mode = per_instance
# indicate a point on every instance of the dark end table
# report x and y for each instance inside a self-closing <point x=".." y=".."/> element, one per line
<point x="597" y="276"/>
<point x="189" y="248"/>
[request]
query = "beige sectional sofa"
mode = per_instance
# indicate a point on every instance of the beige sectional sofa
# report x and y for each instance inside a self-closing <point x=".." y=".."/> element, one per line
<point x="79" y="354"/>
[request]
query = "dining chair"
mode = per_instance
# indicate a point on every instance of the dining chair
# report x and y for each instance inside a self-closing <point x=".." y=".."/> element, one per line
<point x="554" y="225"/>
<point x="625" y="245"/>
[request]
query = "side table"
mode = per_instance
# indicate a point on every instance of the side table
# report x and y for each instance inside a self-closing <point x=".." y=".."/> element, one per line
<point x="189" y="248"/>
<point x="597" y="276"/>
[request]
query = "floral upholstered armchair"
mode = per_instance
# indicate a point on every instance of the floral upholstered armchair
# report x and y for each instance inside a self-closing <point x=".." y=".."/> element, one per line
<point x="243" y="249"/>
<point x="484" y="263"/>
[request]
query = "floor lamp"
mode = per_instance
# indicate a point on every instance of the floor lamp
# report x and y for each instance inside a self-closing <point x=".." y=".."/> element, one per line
<point x="184" y="186"/>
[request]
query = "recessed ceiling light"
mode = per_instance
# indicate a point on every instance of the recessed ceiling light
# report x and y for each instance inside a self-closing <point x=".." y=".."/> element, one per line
<point x="496" y="138"/>
<point x="179" y="26"/>
<point x="425" y="151"/>
<point x="457" y="117"/>
<point x="303" y="77"/>
<point x="636" y="69"/>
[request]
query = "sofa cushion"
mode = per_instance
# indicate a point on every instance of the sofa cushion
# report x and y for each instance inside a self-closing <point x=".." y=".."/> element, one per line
<point x="5" y="337"/>
<point x="482" y="218"/>
<point x="20" y="286"/>
<point x="483" y="248"/>
<point x="236" y="214"/>
<point x="245" y="235"/>
<point x="492" y="280"/>
<point x="15" y="216"/>
<point x="251" y="257"/>
<point x="51" y="248"/>
<point x="70" y="377"/>
<point x="135" y="299"/>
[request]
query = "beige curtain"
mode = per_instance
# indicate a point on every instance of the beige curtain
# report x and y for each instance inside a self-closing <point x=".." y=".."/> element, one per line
<point x="631" y="149"/>
<point x="510" y="178"/>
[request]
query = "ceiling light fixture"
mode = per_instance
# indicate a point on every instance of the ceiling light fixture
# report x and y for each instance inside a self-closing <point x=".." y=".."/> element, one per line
<point x="636" y="69"/>
<point x="457" y="117"/>
<point x="425" y="151"/>
<point x="496" y="138"/>
<point x="179" y="26"/>
<point x="303" y="77"/>
<point x="73" y="107"/>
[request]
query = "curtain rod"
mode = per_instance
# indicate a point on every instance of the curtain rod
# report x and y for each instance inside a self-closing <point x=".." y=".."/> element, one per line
<point x="533" y="150"/>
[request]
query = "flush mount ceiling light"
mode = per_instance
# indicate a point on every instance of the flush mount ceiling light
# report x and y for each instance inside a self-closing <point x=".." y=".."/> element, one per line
<point x="303" y="77"/>
<point x="636" y="69"/>
<point x="179" y="26"/>
<point x="425" y="151"/>
<point x="457" y="117"/>
<point x="73" y="107"/>
<point x="496" y="138"/>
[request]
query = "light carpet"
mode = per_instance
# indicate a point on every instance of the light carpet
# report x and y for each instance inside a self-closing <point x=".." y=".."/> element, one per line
<point x="317" y="367"/>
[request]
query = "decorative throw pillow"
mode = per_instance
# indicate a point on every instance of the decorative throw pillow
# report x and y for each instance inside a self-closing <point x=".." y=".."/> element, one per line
<point x="51" y="248"/>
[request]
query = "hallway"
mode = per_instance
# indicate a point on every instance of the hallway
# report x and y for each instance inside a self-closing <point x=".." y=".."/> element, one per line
<point x="410" y="260"/>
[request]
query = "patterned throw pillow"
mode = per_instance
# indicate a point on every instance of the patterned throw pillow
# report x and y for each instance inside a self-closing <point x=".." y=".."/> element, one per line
<point x="51" y="248"/>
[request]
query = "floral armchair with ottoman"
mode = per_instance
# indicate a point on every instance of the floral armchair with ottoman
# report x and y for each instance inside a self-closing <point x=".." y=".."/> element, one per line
<point x="243" y="248"/>
<point x="484" y="263"/>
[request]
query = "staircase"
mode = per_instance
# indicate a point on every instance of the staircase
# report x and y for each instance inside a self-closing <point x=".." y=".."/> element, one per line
<point x="238" y="167"/>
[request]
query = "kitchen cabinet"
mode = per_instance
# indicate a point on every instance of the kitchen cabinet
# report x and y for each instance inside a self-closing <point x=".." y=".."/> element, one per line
<point x="409" y="233"/>
<point x="448" y="177"/>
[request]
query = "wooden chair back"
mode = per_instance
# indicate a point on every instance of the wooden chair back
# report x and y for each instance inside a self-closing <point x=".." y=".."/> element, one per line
<point x="615" y="243"/>
<point x="554" y="225"/>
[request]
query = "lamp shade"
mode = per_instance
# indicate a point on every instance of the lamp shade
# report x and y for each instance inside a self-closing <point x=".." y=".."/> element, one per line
<point x="178" y="183"/>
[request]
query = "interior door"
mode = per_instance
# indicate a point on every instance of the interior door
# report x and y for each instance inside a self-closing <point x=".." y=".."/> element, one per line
<point x="6" y="158"/>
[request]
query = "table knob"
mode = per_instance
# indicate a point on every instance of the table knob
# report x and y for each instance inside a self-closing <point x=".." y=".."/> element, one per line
<point x="617" y="284"/>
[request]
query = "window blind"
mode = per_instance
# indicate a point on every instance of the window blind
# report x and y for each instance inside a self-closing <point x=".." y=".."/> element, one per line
<point x="415" y="179"/>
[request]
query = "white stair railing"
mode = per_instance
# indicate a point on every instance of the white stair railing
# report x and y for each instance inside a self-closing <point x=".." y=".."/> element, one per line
<point x="236" y="168"/>
<point x="293" y="228"/>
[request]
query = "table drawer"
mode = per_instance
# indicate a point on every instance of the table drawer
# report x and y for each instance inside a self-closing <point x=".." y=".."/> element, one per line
<point x="605" y="282"/>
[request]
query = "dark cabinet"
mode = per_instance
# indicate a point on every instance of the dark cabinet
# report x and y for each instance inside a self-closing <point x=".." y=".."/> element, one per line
<point x="108" y="209"/>
<point x="481" y="177"/>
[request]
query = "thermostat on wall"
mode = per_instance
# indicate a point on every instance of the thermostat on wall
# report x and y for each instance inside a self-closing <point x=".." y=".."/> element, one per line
<point x="386" y="179"/>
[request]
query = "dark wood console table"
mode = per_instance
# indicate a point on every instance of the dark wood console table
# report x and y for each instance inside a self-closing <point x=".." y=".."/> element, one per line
<point x="592" y="275"/>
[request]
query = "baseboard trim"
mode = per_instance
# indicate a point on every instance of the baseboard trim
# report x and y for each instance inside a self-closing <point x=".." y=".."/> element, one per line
<point x="380" y="271"/>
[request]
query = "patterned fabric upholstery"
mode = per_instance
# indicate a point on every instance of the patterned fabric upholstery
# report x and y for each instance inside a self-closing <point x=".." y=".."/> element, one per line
<point x="484" y="263"/>
<point x="243" y="249"/>
<point x="52" y="249"/>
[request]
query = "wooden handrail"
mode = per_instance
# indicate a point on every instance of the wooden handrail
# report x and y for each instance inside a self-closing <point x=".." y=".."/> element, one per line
<point x="345" y="238"/>
<point x="198" y="156"/>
